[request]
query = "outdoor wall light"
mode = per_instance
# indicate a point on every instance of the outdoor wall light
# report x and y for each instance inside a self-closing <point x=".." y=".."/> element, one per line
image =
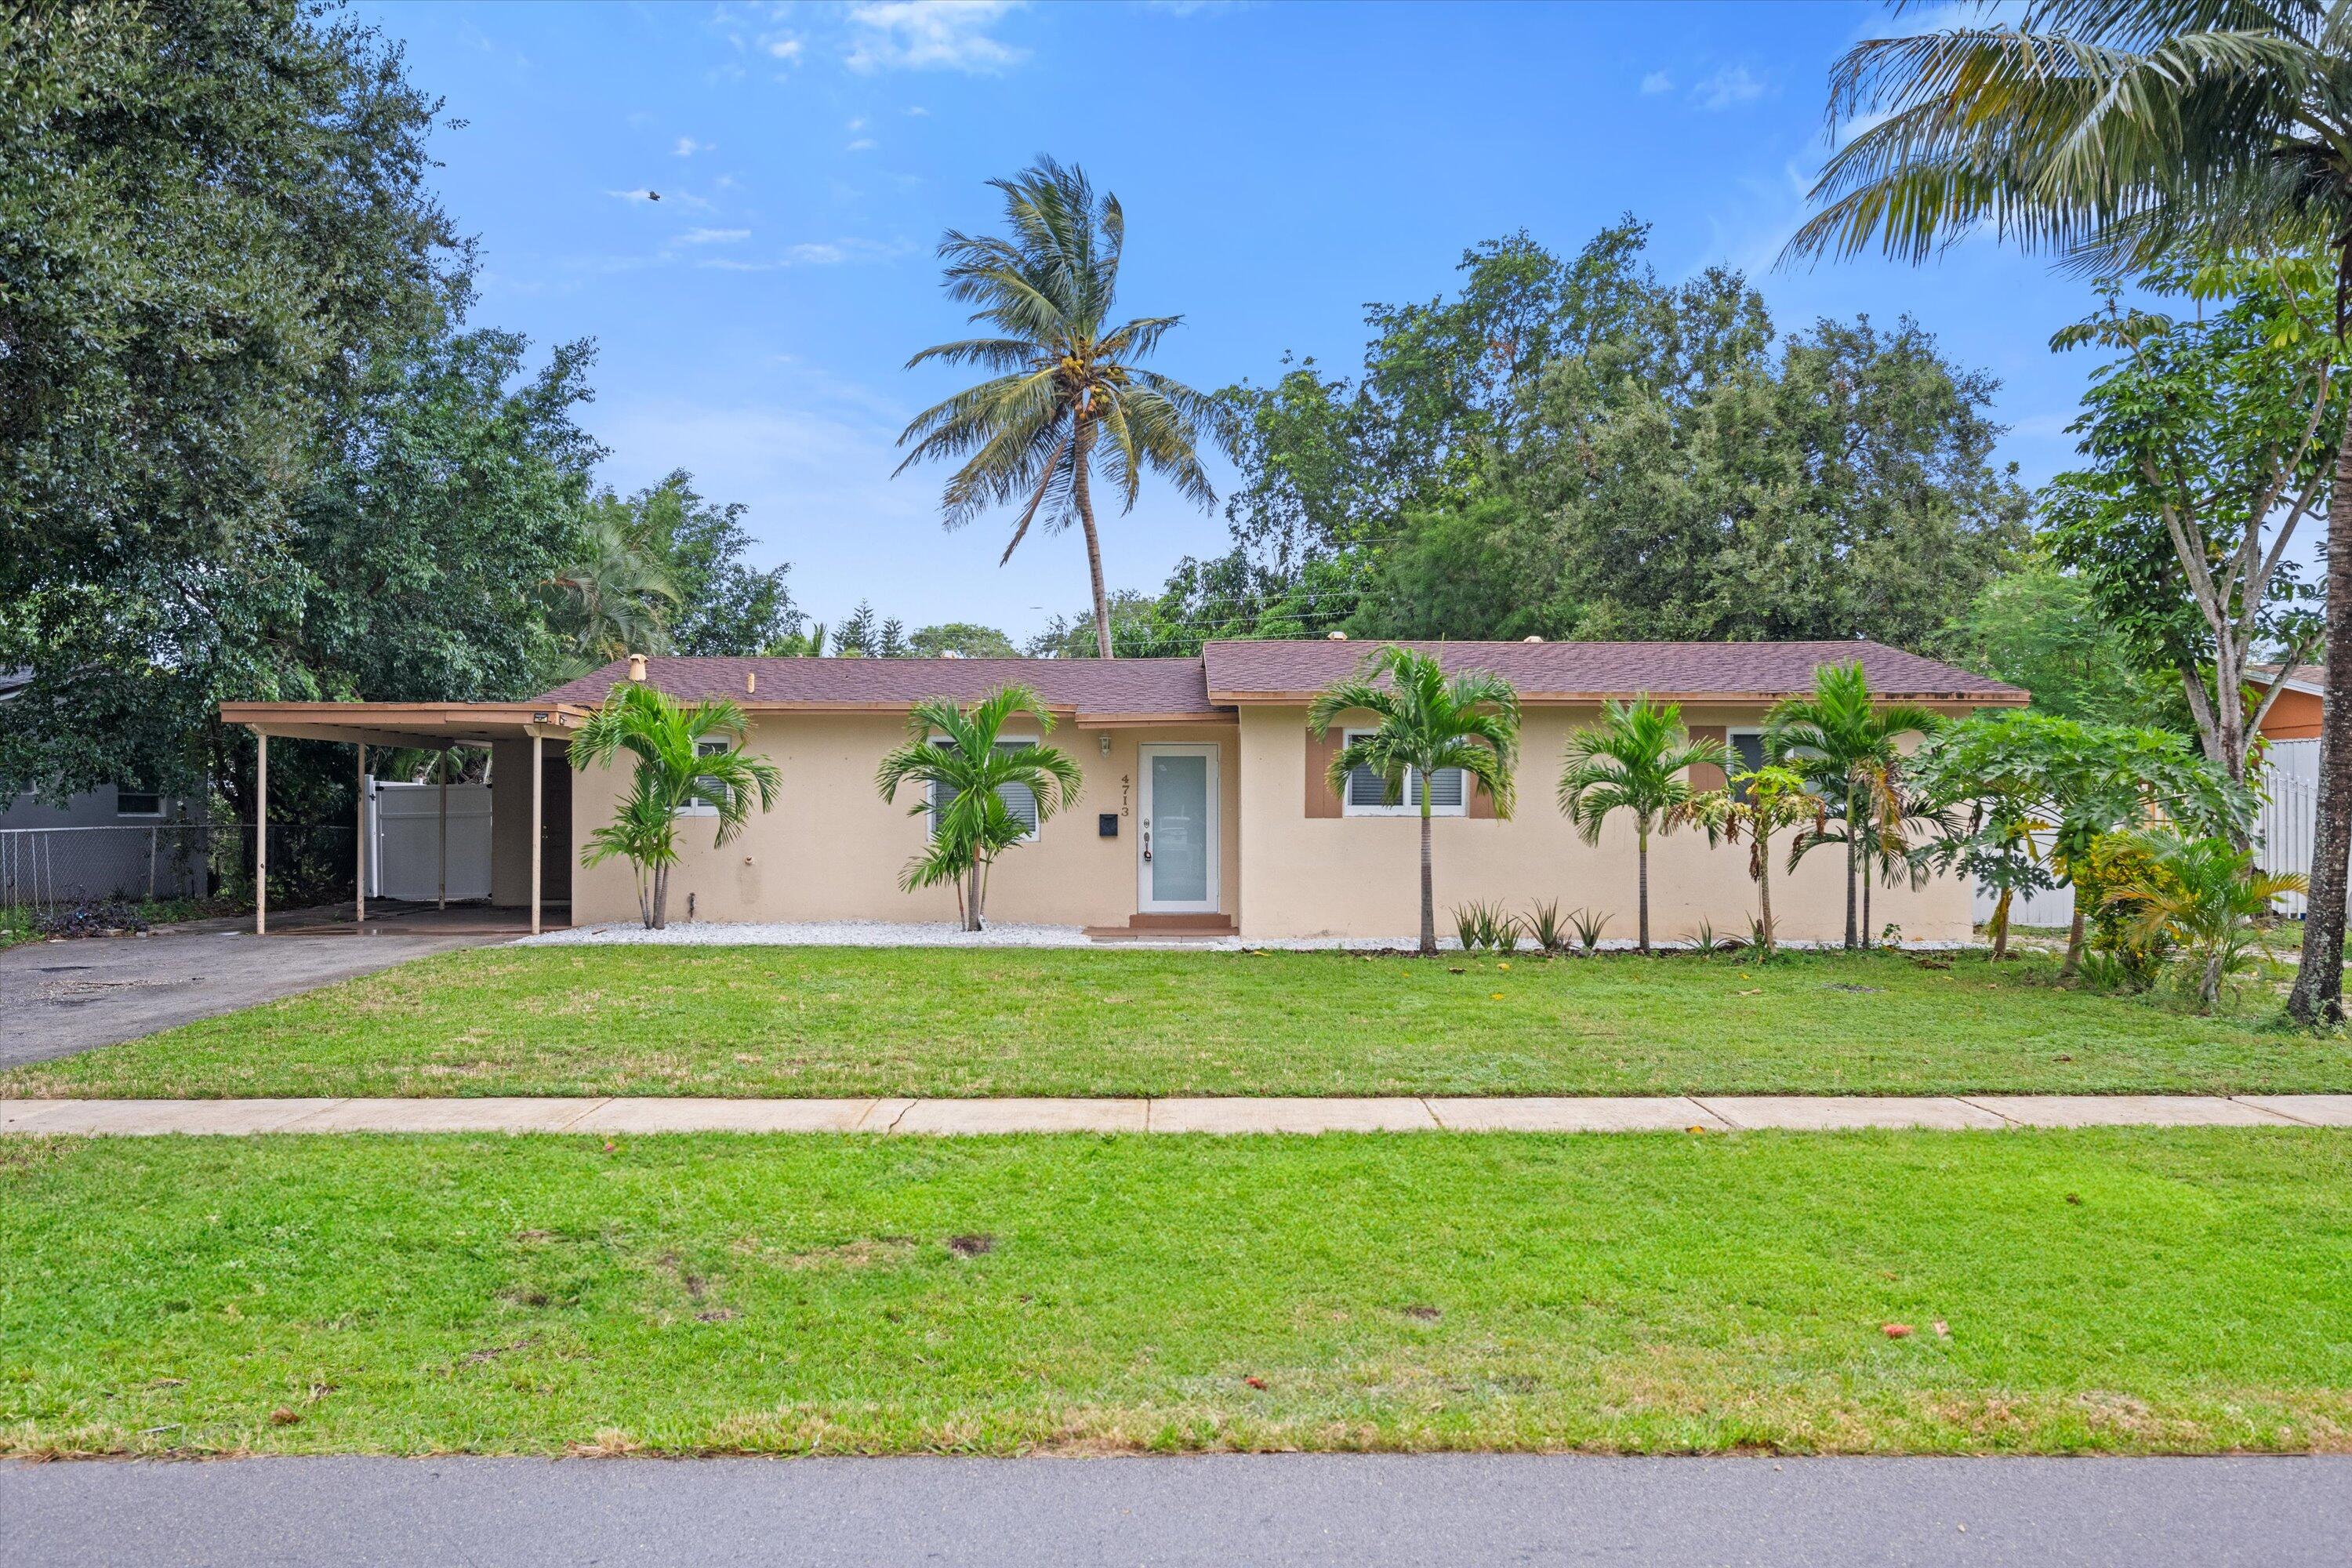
<point x="1103" y="740"/>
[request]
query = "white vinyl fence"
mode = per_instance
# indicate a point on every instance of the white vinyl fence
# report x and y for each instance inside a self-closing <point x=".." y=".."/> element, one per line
<point x="404" y="842"/>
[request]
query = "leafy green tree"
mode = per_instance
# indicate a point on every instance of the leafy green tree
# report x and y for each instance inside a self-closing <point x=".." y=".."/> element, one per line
<point x="1849" y="747"/>
<point x="1425" y="722"/>
<point x="1636" y="760"/>
<point x="958" y="753"/>
<point x="1757" y="804"/>
<point x="2206" y="450"/>
<point x="1068" y="400"/>
<point x="2042" y="627"/>
<point x="672" y="773"/>
<point x="2204" y="895"/>
<point x="2022" y="776"/>
<point x="2120" y="133"/>
<point x="962" y="639"/>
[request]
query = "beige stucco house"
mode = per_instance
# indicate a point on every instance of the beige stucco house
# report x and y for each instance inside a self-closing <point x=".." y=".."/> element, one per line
<point x="1205" y="806"/>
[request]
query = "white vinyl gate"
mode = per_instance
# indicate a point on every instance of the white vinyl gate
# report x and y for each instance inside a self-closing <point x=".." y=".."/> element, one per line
<point x="404" y="841"/>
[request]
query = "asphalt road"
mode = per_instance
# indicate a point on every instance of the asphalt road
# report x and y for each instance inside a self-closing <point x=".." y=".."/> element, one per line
<point x="1360" y="1511"/>
<point x="60" y="998"/>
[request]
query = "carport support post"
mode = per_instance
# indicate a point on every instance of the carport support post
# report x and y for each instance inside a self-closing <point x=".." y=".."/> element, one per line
<point x="360" y="835"/>
<point x="441" y="902"/>
<point x="260" y="832"/>
<point x="538" y="782"/>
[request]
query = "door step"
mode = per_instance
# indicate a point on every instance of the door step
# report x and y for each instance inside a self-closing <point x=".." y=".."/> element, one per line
<point x="1153" y="928"/>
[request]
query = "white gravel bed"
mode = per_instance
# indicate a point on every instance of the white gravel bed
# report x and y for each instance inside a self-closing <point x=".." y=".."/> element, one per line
<point x="940" y="934"/>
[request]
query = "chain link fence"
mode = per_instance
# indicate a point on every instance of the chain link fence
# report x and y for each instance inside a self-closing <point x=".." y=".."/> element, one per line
<point x="50" y="867"/>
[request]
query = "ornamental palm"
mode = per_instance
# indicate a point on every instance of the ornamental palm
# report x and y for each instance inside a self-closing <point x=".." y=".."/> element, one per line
<point x="1634" y="761"/>
<point x="1758" y="803"/>
<point x="2114" y="132"/>
<point x="1425" y="722"/>
<point x="2203" y="894"/>
<point x="1067" y="400"/>
<point x="621" y="596"/>
<point x="674" y="774"/>
<point x="1850" y="749"/>
<point x="956" y="751"/>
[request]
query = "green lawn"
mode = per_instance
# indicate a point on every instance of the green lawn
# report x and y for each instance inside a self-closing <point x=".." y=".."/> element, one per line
<point x="2132" y="1290"/>
<point x="846" y="1021"/>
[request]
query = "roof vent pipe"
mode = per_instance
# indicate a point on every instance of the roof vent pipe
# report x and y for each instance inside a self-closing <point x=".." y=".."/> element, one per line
<point x="750" y="681"/>
<point x="637" y="667"/>
<point x="1531" y="640"/>
<point x="1338" y="636"/>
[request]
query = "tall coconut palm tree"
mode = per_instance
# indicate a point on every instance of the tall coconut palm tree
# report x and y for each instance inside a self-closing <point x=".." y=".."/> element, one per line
<point x="961" y="754"/>
<point x="1849" y="747"/>
<point x="1636" y="760"/>
<point x="2114" y="132"/>
<point x="688" y="758"/>
<point x="1066" y="403"/>
<point x="1423" y="724"/>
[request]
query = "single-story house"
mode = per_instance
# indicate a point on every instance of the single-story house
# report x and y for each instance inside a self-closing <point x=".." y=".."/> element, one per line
<point x="1205" y="804"/>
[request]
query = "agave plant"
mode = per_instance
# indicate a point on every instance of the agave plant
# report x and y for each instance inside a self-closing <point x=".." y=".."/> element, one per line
<point x="1587" y="924"/>
<point x="1545" y="928"/>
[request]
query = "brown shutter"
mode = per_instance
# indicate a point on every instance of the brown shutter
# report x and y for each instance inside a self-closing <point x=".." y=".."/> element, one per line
<point x="1706" y="775"/>
<point x="1321" y="799"/>
<point x="1480" y="804"/>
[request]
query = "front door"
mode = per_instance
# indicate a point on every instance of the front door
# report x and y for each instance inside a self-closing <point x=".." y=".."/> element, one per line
<point x="1177" y="872"/>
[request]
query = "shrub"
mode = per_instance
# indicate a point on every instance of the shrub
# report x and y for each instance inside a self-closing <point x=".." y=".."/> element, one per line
<point x="2129" y="958"/>
<point x="1546" y="926"/>
<point x="1587" y="924"/>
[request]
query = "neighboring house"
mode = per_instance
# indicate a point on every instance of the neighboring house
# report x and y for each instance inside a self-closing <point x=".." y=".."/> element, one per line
<point x="1205" y="763"/>
<point x="115" y="840"/>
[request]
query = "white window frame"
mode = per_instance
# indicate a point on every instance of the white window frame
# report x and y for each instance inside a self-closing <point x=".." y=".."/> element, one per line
<point x="709" y="746"/>
<point x="1732" y="761"/>
<point x="1407" y="804"/>
<point x="932" y="789"/>
<point x="162" y="809"/>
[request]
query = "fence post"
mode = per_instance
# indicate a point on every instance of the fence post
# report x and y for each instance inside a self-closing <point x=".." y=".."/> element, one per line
<point x="151" y="865"/>
<point x="260" y="833"/>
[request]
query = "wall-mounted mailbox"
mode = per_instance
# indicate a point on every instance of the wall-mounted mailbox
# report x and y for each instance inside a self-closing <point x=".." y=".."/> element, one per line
<point x="1106" y="825"/>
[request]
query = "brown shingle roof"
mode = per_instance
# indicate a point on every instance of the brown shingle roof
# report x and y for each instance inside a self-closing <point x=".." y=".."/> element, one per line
<point x="1172" y="688"/>
<point x="1265" y="671"/>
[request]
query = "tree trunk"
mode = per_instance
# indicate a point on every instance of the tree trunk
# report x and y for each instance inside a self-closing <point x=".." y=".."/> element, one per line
<point x="1764" y="888"/>
<point x="1869" y="878"/>
<point x="2073" y="964"/>
<point x="2318" y="995"/>
<point x="2001" y="925"/>
<point x="661" y="898"/>
<point x="1085" y="498"/>
<point x="1641" y="879"/>
<point x="2209" y="987"/>
<point x="971" y="910"/>
<point x="1428" y="894"/>
<point x="1853" y="835"/>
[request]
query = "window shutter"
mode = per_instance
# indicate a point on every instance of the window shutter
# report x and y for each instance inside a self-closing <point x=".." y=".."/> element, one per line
<point x="1322" y="800"/>
<point x="1706" y="775"/>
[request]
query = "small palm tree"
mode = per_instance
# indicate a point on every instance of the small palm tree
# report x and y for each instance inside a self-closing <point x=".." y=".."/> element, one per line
<point x="1634" y="761"/>
<point x="1425" y="722"/>
<point x="1067" y="400"/>
<point x="1758" y="803"/>
<point x="958" y="753"/>
<point x="676" y="769"/>
<point x="2202" y="894"/>
<point x="621" y="596"/>
<point x="1849" y="747"/>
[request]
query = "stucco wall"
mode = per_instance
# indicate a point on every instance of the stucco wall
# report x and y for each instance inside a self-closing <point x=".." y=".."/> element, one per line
<point x="1360" y="876"/>
<point x="833" y="849"/>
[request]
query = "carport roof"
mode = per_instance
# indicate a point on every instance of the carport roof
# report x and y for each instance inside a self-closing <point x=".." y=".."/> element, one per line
<point x="433" y="724"/>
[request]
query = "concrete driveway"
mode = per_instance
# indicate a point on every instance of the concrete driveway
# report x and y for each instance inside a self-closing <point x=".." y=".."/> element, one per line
<point x="60" y="997"/>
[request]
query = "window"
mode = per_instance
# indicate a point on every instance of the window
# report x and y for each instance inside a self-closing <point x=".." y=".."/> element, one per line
<point x="129" y="802"/>
<point x="1747" y="748"/>
<point x="1368" y="791"/>
<point x="1018" y="798"/>
<point x="706" y="748"/>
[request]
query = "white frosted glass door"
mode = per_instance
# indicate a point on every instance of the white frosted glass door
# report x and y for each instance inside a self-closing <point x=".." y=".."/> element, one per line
<point x="1179" y="839"/>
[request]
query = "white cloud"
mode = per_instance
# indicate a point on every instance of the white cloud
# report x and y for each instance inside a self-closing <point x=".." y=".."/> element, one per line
<point x="1658" y="82"/>
<point x="687" y="147"/>
<point x="783" y="47"/>
<point x="946" y="34"/>
<point x="1731" y="85"/>
<point x="857" y="124"/>
<point x="862" y="144"/>
<point x="713" y="235"/>
<point x="918" y="111"/>
<point x="634" y="195"/>
<point x="811" y="253"/>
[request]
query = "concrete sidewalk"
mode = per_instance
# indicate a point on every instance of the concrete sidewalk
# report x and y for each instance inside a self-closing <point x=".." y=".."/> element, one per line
<point x="1710" y="1113"/>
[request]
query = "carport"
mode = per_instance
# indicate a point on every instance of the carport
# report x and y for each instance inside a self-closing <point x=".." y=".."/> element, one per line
<point x="501" y="728"/>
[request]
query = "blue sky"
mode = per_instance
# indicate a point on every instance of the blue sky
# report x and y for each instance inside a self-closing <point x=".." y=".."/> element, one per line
<point x="1279" y="164"/>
